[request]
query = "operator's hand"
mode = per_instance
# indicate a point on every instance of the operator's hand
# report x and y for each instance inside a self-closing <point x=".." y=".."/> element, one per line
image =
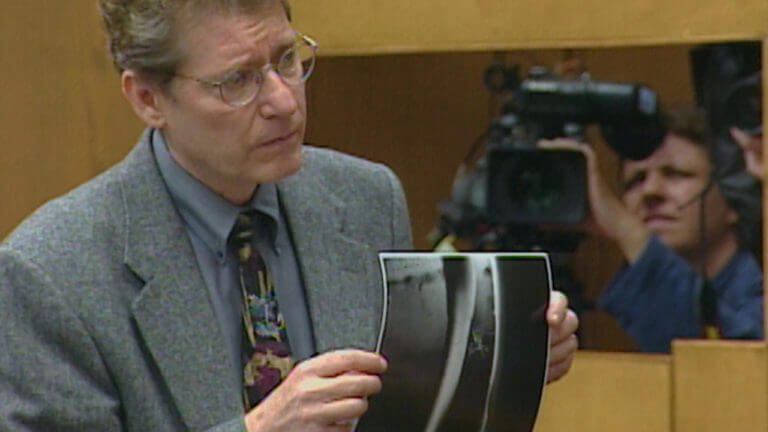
<point x="327" y="393"/>
<point x="563" y="342"/>
<point x="608" y="215"/>
<point x="752" y="147"/>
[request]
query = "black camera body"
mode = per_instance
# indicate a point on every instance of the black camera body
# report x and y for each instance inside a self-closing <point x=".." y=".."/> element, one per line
<point x="528" y="185"/>
<point x="728" y="85"/>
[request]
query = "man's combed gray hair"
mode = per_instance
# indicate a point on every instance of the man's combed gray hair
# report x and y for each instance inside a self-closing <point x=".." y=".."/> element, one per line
<point x="142" y="33"/>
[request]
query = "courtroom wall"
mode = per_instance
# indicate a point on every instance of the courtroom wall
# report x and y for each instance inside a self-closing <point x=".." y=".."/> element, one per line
<point x="63" y="119"/>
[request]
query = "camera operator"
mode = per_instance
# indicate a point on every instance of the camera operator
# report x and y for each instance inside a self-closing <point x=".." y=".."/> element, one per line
<point x="684" y="222"/>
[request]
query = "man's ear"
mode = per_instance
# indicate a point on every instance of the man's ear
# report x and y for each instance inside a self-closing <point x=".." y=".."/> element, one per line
<point x="144" y="98"/>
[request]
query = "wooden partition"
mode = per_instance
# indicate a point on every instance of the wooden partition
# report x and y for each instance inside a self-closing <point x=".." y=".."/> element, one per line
<point x="63" y="121"/>
<point x="611" y="392"/>
<point x="704" y="386"/>
<point x="719" y="386"/>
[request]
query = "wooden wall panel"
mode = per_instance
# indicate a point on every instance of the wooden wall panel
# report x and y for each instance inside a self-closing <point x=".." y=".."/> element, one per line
<point x="62" y="117"/>
<point x="396" y="26"/>
<point x="41" y="115"/>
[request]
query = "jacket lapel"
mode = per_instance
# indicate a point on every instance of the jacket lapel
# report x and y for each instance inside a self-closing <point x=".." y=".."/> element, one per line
<point x="173" y="311"/>
<point x="341" y="280"/>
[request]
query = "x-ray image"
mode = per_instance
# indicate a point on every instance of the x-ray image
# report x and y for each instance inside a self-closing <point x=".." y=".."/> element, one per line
<point x="467" y="342"/>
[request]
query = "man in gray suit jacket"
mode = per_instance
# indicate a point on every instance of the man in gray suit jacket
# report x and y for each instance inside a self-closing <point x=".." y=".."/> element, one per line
<point x="117" y="304"/>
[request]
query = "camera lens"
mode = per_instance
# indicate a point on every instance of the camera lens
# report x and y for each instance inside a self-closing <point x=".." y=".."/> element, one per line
<point x="535" y="190"/>
<point x="537" y="186"/>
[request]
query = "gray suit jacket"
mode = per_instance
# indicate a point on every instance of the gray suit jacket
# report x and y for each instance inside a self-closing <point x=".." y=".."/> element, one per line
<point x="106" y="321"/>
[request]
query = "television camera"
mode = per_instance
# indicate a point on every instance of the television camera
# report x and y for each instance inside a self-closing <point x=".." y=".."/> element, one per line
<point x="517" y="187"/>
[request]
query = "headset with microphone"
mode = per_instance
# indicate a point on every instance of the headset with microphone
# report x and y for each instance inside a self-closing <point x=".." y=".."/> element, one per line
<point x="697" y="196"/>
<point x="742" y="193"/>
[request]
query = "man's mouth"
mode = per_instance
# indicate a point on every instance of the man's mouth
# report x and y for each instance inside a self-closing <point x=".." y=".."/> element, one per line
<point x="657" y="220"/>
<point x="280" y="140"/>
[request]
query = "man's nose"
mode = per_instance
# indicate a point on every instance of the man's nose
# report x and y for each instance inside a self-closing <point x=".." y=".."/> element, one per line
<point x="277" y="98"/>
<point x="653" y="188"/>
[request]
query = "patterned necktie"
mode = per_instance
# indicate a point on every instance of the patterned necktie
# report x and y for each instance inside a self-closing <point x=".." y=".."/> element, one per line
<point x="268" y="352"/>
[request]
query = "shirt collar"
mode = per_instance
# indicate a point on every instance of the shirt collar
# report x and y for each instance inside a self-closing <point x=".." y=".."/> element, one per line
<point x="206" y="213"/>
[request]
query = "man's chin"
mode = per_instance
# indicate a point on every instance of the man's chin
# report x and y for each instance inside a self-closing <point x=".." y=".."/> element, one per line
<point x="284" y="168"/>
<point x="677" y="245"/>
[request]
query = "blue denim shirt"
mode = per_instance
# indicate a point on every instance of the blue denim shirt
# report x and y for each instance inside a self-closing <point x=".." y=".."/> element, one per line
<point x="657" y="298"/>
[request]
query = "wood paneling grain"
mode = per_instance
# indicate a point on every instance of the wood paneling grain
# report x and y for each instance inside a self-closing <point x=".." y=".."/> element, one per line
<point x="720" y="386"/>
<point x="607" y="392"/>
<point x="396" y="26"/>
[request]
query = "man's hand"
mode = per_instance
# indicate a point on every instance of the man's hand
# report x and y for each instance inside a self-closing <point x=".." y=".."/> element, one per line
<point x="609" y="216"/>
<point x="563" y="343"/>
<point x="752" y="147"/>
<point x="327" y="393"/>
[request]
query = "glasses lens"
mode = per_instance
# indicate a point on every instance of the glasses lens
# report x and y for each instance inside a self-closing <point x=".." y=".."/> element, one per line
<point x="297" y="63"/>
<point x="294" y="66"/>
<point x="240" y="88"/>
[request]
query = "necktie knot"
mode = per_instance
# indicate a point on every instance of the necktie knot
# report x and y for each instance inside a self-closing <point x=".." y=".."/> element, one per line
<point x="242" y="235"/>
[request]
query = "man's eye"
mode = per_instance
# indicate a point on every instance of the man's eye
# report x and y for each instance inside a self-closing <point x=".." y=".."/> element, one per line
<point x="288" y="59"/>
<point x="238" y="78"/>
<point x="677" y="173"/>
<point x="632" y="182"/>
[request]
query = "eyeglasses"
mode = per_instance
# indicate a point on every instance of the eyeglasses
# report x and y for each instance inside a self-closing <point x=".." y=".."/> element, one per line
<point x="240" y="87"/>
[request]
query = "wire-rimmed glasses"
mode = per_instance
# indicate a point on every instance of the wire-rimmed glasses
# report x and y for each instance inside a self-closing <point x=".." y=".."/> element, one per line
<point x="240" y="87"/>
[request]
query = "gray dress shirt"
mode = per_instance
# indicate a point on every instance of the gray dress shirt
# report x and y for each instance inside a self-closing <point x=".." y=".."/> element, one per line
<point x="209" y="219"/>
